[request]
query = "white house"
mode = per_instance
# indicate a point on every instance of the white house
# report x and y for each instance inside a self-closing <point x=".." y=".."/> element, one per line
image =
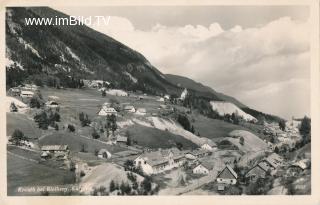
<point x="104" y="154"/>
<point x="159" y="161"/>
<point x="105" y="111"/>
<point x="141" y="111"/>
<point x="56" y="150"/>
<point x="52" y="104"/>
<point x="161" y="99"/>
<point x="26" y="94"/>
<point x="129" y="108"/>
<point x="166" y="97"/>
<point x="208" y="145"/>
<point x="196" y="154"/>
<point x="202" y="168"/>
<point x="227" y="176"/>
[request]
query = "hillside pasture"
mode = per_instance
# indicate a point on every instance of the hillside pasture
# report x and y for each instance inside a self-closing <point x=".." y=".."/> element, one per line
<point x="76" y="143"/>
<point x="155" y="138"/>
<point x="23" y="123"/>
<point x="22" y="172"/>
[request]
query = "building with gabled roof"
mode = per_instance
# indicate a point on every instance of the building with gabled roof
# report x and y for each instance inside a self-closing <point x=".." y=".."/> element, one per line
<point x="203" y="167"/>
<point x="227" y="176"/>
<point x="105" y="111"/>
<point x="155" y="162"/>
<point x="258" y="171"/>
<point x="129" y="108"/>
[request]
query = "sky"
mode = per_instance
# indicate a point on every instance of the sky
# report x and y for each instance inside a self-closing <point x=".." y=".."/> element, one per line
<point x="257" y="54"/>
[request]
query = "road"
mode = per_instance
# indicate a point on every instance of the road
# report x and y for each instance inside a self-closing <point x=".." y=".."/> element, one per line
<point x="190" y="187"/>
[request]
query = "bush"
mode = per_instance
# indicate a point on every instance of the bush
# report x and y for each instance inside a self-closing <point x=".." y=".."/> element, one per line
<point x="71" y="128"/>
<point x="17" y="136"/>
<point x="35" y="102"/>
<point x="95" y="135"/>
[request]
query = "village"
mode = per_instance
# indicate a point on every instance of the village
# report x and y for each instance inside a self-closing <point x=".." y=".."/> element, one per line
<point x="113" y="142"/>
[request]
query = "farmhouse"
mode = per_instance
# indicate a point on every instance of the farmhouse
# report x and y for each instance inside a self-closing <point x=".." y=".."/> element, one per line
<point x="209" y="145"/>
<point x="202" y="168"/>
<point x="14" y="91"/>
<point x="141" y="111"/>
<point x="55" y="150"/>
<point x="129" y="108"/>
<point x="155" y="162"/>
<point x="105" y="111"/>
<point x="121" y="140"/>
<point x="52" y="104"/>
<point x="258" y="171"/>
<point x="196" y="154"/>
<point x="273" y="161"/>
<point x="104" y="154"/>
<point x="26" y="94"/>
<point x="227" y="176"/>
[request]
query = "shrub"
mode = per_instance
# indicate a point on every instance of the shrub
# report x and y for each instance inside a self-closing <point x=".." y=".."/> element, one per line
<point x="71" y="128"/>
<point x="95" y="135"/>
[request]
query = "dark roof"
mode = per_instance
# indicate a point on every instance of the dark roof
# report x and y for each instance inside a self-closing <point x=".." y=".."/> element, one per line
<point x="227" y="173"/>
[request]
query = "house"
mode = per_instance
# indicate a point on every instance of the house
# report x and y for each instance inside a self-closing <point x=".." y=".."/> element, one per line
<point x="227" y="176"/>
<point x="202" y="168"/>
<point x="14" y="91"/>
<point x="273" y="161"/>
<point x="258" y="171"/>
<point x="56" y="150"/>
<point x="154" y="162"/>
<point x="208" y="145"/>
<point x="26" y="94"/>
<point x="105" y="111"/>
<point x="52" y="104"/>
<point x="121" y="140"/>
<point x="129" y="108"/>
<point x="104" y="154"/>
<point x="30" y="87"/>
<point x="196" y="154"/>
<point x="161" y="99"/>
<point x="166" y="97"/>
<point x="141" y="111"/>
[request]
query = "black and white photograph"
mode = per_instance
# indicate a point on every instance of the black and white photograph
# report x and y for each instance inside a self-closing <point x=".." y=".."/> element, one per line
<point x="165" y="100"/>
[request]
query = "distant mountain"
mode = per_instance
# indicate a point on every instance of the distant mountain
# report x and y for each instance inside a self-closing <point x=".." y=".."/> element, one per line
<point x="60" y="53"/>
<point x="185" y="82"/>
<point x="60" y="56"/>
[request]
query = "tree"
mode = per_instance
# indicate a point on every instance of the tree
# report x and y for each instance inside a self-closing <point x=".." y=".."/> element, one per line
<point x="276" y="150"/>
<point x="129" y="165"/>
<point x="17" y="136"/>
<point x="241" y="141"/>
<point x="184" y="122"/>
<point x="146" y="184"/>
<point x="179" y="145"/>
<point x="42" y="120"/>
<point x="192" y="129"/>
<point x="129" y="140"/>
<point x="282" y="125"/>
<point x="71" y="128"/>
<point x="84" y="119"/>
<point x="103" y="93"/>
<point x="13" y="107"/>
<point x="95" y="135"/>
<point x="305" y="126"/>
<point x="35" y="102"/>
<point x="112" y="186"/>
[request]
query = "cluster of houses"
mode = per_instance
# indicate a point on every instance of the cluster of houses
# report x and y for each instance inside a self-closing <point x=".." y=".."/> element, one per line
<point x="59" y="152"/>
<point x="289" y="137"/>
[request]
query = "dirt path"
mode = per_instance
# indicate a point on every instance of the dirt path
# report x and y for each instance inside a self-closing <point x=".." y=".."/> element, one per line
<point x="194" y="185"/>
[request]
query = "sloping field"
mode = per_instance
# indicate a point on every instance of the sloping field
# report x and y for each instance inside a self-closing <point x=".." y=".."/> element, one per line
<point x="228" y="108"/>
<point x="102" y="176"/>
<point x="22" y="172"/>
<point x="155" y="138"/>
<point x="169" y="125"/>
<point x="76" y="143"/>
<point x="212" y="128"/>
<point x="23" y="123"/>
<point x="252" y="143"/>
